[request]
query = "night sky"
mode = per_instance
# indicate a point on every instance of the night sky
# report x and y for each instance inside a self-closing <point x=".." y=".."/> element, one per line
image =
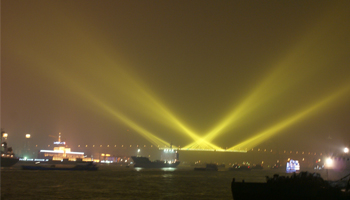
<point x="251" y="73"/>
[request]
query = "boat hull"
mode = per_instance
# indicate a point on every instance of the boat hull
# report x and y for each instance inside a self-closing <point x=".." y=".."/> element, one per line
<point x="61" y="168"/>
<point x="8" y="161"/>
<point x="146" y="165"/>
<point x="209" y="167"/>
<point x="247" y="191"/>
<point x="144" y="162"/>
<point x="289" y="188"/>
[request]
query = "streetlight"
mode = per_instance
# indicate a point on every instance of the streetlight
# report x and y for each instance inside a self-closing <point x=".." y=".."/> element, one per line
<point x="329" y="163"/>
<point x="346" y="150"/>
<point x="4" y="135"/>
<point x="27" y="149"/>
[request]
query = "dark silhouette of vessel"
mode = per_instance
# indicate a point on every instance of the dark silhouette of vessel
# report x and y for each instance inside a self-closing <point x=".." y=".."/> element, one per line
<point x="144" y="162"/>
<point x="304" y="186"/>
<point x="79" y="166"/>
<point x="239" y="168"/>
<point x="208" y="167"/>
<point x="8" y="158"/>
<point x="8" y="161"/>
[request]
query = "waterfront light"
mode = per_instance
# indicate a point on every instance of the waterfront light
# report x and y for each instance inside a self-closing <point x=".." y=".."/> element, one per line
<point x="329" y="162"/>
<point x="346" y="150"/>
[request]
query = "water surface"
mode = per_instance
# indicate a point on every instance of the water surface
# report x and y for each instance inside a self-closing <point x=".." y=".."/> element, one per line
<point x="112" y="182"/>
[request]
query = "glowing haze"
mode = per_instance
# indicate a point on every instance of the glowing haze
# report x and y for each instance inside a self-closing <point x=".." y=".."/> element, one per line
<point x="199" y="75"/>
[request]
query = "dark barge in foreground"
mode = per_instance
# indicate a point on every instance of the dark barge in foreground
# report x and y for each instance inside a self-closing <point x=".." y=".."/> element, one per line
<point x="302" y="186"/>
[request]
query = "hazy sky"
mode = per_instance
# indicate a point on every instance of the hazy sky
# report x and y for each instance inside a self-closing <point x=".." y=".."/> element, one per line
<point x="143" y="72"/>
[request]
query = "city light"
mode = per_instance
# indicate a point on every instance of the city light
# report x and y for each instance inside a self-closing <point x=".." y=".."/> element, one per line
<point x="5" y="135"/>
<point x="346" y="150"/>
<point x="27" y="135"/>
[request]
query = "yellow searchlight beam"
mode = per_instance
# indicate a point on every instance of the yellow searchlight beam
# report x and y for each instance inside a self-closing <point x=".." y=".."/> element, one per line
<point x="88" y="95"/>
<point x="297" y="51"/>
<point x="146" y="134"/>
<point x="264" y="135"/>
<point x="211" y="150"/>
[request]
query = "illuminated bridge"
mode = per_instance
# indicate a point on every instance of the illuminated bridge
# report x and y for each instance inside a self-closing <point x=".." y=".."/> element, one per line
<point x="143" y="147"/>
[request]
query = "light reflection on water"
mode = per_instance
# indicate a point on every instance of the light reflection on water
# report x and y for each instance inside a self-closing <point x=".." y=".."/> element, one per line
<point x="167" y="169"/>
<point x="138" y="168"/>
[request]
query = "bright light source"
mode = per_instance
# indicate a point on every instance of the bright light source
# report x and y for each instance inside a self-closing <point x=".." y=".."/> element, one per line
<point x="5" y="135"/>
<point x="346" y="150"/>
<point x="27" y="135"/>
<point x="329" y="162"/>
<point x="138" y="150"/>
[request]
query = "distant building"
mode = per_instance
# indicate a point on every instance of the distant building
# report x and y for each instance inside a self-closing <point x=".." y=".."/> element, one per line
<point x="61" y="152"/>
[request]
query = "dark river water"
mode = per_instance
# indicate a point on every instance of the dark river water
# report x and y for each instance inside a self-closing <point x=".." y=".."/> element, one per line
<point x="113" y="182"/>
